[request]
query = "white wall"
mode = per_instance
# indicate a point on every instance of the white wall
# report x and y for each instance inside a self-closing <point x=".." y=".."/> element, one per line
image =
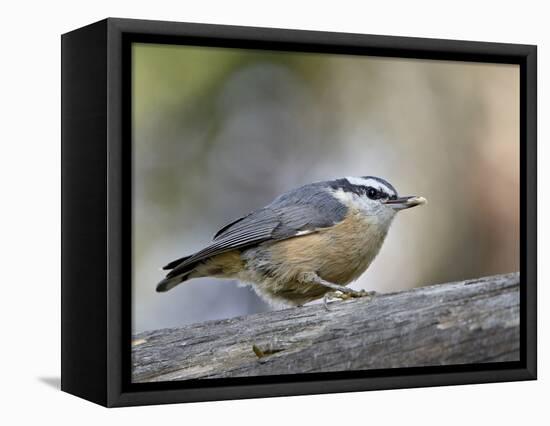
<point x="29" y="234"/>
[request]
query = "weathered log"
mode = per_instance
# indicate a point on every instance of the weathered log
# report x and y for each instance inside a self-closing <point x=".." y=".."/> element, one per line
<point x="473" y="321"/>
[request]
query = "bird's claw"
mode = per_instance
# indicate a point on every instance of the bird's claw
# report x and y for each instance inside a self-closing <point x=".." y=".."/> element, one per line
<point x="348" y="294"/>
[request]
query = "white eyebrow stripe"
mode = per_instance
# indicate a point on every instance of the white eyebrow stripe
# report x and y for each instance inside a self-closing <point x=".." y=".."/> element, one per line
<point x="359" y="181"/>
<point x="354" y="180"/>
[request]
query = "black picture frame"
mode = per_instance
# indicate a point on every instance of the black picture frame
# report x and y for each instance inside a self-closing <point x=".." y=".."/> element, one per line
<point x="96" y="211"/>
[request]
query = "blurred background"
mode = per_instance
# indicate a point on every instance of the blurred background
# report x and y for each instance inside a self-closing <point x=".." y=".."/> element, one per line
<point x="220" y="132"/>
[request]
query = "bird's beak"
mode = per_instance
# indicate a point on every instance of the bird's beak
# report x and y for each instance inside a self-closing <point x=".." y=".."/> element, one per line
<point x="406" y="202"/>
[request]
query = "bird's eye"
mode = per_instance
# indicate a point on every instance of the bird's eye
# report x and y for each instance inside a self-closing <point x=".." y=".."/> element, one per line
<point x="372" y="193"/>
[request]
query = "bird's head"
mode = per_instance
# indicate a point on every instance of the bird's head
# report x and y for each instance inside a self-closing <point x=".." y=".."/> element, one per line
<point x="373" y="197"/>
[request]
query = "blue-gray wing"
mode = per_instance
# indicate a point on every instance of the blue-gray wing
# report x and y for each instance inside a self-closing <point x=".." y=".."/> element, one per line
<point x="298" y="212"/>
<point x="304" y="209"/>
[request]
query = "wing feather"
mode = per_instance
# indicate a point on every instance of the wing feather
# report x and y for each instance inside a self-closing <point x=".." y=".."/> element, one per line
<point x="298" y="212"/>
<point x="252" y="229"/>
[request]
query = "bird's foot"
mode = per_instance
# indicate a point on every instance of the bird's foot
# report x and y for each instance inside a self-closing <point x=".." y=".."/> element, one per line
<point x="348" y="294"/>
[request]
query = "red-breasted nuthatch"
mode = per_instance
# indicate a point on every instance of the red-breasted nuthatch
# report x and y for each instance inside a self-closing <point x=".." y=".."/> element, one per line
<point x="308" y="243"/>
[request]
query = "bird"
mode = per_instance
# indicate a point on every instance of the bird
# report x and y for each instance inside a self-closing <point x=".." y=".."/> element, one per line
<point x="308" y="243"/>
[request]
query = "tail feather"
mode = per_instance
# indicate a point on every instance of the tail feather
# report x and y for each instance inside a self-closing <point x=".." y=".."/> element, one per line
<point x="175" y="263"/>
<point x="171" y="280"/>
<point x="221" y="265"/>
<point x="169" y="283"/>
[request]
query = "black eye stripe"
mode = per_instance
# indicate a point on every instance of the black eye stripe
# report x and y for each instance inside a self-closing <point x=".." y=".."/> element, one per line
<point x="376" y="194"/>
<point x="383" y="182"/>
<point x="362" y="190"/>
<point x="372" y="193"/>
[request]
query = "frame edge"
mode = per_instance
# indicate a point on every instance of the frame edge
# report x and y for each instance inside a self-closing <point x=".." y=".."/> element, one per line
<point x="117" y="395"/>
<point x="83" y="220"/>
